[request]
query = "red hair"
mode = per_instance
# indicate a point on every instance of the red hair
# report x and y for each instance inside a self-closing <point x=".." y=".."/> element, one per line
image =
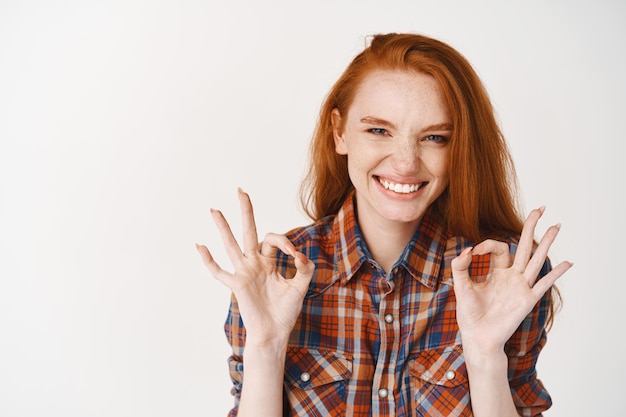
<point x="481" y="200"/>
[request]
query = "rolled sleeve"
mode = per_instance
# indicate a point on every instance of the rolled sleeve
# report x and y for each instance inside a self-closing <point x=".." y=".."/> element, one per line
<point x="235" y="333"/>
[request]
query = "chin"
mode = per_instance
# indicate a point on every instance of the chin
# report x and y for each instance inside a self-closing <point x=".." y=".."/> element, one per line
<point x="404" y="217"/>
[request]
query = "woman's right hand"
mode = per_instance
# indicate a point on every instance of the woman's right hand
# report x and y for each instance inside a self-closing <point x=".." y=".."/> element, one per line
<point x="269" y="303"/>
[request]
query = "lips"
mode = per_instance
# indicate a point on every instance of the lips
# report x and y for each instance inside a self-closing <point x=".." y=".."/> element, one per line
<point x="401" y="188"/>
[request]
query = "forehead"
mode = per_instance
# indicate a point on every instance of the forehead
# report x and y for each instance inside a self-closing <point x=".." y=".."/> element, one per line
<point x="397" y="77"/>
<point x="399" y="92"/>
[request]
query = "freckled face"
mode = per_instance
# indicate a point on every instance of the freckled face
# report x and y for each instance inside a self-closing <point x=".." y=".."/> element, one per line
<point x="395" y="135"/>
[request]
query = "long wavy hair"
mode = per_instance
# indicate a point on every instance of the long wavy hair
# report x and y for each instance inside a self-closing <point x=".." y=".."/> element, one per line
<point x="481" y="200"/>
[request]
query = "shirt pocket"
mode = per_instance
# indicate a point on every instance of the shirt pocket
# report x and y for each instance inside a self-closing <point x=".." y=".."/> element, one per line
<point x="316" y="380"/>
<point x="439" y="384"/>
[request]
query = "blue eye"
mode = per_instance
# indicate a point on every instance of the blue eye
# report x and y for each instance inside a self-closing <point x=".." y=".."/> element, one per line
<point x="436" y="138"/>
<point x="377" y="131"/>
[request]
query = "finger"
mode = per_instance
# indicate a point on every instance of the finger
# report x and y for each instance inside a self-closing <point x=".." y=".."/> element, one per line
<point x="500" y="252"/>
<point x="250" y="238"/>
<point x="304" y="271"/>
<point x="539" y="256"/>
<point x="548" y="280"/>
<point x="215" y="270"/>
<point x="460" y="268"/>
<point x="273" y="242"/>
<point x="527" y="239"/>
<point x="230" y="243"/>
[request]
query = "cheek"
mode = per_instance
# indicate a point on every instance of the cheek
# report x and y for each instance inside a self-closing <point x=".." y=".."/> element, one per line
<point x="364" y="156"/>
<point x="443" y="169"/>
<point x="438" y="164"/>
<point x="358" y="167"/>
<point x="440" y="169"/>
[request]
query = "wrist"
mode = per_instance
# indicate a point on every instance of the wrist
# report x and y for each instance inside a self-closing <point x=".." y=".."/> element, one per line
<point x="481" y="360"/>
<point x="267" y="345"/>
<point x="264" y="364"/>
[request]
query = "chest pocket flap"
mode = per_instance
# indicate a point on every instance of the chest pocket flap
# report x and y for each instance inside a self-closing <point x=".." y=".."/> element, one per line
<point x="311" y="368"/>
<point x="439" y="383"/>
<point x="443" y="366"/>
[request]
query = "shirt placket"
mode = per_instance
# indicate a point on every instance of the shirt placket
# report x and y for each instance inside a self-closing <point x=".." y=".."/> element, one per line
<point x="384" y="389"/>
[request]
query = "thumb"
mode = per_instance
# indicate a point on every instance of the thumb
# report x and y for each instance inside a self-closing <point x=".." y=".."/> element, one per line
<point x="460" y="267"/>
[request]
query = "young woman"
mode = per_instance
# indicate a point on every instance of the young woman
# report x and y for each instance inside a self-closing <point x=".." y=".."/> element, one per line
<point x="418" y="290"/>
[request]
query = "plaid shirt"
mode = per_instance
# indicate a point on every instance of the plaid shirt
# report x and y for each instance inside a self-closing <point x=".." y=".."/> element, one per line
<point x="370" y="343"/>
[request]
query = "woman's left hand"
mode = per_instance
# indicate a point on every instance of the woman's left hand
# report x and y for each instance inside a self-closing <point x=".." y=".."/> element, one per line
<point x="488" y="313"/>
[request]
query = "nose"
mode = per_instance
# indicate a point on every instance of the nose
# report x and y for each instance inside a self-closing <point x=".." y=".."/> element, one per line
<point x="406" y="155"/>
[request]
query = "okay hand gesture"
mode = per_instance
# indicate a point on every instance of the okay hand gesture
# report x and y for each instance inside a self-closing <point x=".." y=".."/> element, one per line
<point x="488" y="313"/>
<point x="268" y="302"/>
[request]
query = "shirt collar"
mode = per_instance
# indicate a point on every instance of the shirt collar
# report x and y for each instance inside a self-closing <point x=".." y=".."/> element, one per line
<point x="422" y="257"/>
<point x="350" y="252"/>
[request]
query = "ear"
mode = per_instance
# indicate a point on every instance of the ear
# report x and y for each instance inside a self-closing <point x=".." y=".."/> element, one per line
<point x="338" y="133"/>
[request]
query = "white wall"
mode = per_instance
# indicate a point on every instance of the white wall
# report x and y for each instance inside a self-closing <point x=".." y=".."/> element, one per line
<point x="123" y="122"/>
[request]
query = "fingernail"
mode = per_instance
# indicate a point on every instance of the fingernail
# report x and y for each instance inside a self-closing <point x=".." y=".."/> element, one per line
<point x="558" y="226"/>
<point x="542" y="209"/>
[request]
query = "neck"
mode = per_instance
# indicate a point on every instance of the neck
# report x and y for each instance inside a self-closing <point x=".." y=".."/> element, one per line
<point x="386" y="242"/>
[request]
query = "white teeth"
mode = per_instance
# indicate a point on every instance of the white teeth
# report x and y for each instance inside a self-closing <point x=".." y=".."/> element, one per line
<point x="399" y="188"/>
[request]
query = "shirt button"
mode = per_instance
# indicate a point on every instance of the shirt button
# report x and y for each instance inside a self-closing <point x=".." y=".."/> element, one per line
<point x="305" y="377"/>
<point x="389" y="318"/>
<point x="383" y="393"/>
<point x="450" y="375"/>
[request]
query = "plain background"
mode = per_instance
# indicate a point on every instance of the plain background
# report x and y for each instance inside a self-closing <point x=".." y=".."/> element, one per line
<point x="123" y="122"/>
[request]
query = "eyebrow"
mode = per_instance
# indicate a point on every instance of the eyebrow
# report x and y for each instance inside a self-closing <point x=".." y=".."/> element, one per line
<point x="376" y="121"/>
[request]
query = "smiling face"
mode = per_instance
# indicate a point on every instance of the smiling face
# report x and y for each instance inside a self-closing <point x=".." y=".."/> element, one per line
<point x="395" y="135"/>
